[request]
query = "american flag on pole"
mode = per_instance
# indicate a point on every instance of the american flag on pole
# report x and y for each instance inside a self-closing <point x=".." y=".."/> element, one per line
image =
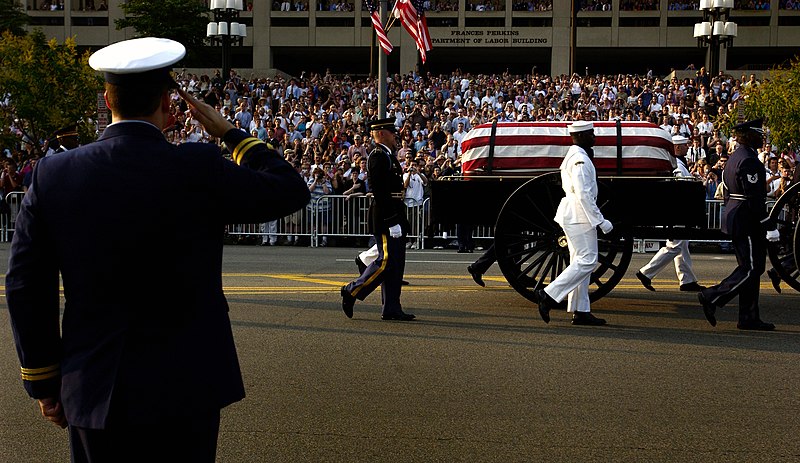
<point x="412" y="16"/>
<point x="383" y="40"/>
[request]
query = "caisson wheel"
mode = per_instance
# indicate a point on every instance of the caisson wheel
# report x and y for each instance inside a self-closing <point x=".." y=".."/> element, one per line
<point x="783" y="255"/>
<point x="532" y="249"/>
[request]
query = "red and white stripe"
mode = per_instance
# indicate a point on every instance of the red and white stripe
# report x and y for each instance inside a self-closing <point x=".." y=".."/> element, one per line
<point x="534" y="147"/>
<point x="415" y="25"/>
<point x="383" y="40"/>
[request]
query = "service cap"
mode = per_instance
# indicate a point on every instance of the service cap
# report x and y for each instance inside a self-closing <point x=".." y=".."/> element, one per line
<point x="754" y="125"/>
<point x="382" y="124"/>
<point x="68" y="131"/>
<point x="679" y="140"/>
<point x="142" y="61"/>
<point x="580" y="126"/>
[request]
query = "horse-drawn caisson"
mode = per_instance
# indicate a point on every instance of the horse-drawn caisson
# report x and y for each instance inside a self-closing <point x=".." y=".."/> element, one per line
<point x="510" y="180"/>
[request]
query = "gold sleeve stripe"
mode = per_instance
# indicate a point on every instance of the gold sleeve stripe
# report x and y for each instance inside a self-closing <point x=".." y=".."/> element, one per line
<point x="243" y="147"/>
<point x="37" y="374"/>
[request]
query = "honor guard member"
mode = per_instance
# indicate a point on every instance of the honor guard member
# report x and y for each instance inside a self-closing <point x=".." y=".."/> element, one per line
<point x="579" y="216"/>
<point x="144" y="357"/>
<point x="676" y="251"/>
<point x="745" y="220"/>
<point x="388" y="224"/>
<point x="66" y="139"/>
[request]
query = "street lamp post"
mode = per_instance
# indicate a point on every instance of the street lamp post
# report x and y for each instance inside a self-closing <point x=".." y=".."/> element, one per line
<point x="225" y="29"/>
<point x="715" y="30"/>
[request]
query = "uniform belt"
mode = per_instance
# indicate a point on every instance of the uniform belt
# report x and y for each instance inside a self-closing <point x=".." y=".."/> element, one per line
<point x="398" y="196"/>
<point x="739" y="197"/>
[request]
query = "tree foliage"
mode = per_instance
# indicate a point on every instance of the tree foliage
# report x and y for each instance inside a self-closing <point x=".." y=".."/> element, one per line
<point x="12" y="17"/>
<point x="777" y="100"/>
<point x="180" y="20"/>
<point x="45" y="86"/>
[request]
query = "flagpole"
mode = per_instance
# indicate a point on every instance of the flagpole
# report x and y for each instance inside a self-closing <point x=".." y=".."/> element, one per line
<point x="382" y="61"/>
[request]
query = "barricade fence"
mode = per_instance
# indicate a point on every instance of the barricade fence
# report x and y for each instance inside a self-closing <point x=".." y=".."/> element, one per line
<point x="337" y="216"/>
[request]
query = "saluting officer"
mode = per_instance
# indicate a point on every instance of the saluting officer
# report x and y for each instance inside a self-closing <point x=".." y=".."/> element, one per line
<point x="578" y="215"/>
<point x="388" y="224"/>
<point x="144" y="358"/>
<point x="745" y="220"/>
<point x="676" y="251"/>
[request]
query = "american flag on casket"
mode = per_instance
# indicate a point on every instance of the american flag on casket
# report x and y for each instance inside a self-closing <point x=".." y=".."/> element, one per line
<point x="522" y="148"/>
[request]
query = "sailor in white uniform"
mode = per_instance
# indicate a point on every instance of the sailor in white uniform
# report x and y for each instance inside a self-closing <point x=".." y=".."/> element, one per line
<point x="676" y="251"/>
<point x="579" y="216"/>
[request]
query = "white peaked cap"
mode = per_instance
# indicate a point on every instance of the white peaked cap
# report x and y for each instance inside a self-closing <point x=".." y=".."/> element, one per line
<point x="679" y="140"/>
<point x="148" y="58"/>
<point x="580" y="126"/>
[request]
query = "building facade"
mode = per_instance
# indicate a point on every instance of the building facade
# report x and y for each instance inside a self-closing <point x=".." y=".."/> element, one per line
<point x="488" y="36"/>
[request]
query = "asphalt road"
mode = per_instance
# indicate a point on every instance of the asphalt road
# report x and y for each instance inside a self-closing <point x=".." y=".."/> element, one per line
<point x="479" y="377"/>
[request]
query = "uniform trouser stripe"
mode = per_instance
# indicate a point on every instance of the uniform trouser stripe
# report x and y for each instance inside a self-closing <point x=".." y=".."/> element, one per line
<point x="736" y="282"/>
<point x="377" y="273"/>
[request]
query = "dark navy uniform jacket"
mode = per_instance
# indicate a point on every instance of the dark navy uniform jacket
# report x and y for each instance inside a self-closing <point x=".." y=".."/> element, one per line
<point x="385" y="177"/>
<point x="135" y="225"/>
<point x="745" y="194"/>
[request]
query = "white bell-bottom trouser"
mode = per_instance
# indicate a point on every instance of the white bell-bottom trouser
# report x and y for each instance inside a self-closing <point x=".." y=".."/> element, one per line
<point x="677" y="251"/>
<point x="573" y="282"/>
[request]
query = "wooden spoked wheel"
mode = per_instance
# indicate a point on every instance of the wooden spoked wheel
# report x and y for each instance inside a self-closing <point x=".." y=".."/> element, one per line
<point x="532" y="249"/>
<point x="783" y="255"/>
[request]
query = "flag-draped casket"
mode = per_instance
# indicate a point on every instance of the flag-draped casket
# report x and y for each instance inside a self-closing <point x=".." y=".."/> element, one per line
<point x="528" y="148"/>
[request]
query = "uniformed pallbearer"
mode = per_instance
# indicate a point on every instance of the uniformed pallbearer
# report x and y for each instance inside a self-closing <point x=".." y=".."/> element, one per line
<point x="746" y="221"/>
<point x="389" y="225"/>
<point x="144" y="358"/>
<point x="579" y="216"/>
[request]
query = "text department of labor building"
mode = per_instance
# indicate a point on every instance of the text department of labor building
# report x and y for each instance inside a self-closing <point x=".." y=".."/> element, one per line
<point x="562" y="39"/>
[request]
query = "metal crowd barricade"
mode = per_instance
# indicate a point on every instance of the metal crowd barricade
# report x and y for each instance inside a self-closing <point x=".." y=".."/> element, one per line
<point x="8" y="217"/>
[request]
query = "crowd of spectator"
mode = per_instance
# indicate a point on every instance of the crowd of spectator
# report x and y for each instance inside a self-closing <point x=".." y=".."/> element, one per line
<point x="316" y="121"/>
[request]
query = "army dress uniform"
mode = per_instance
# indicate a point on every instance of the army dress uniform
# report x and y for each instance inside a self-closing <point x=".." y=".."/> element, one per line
<point x="385" y="177"/>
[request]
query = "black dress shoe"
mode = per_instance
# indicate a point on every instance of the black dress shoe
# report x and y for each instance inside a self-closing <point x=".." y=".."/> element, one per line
<point x="404" y="283"/>
<point x="478" y="277"/>
<point x="587" y="318"/>
<point x="348" y="301"/>
<point x="775" y="279"/>
<point x="402" y="316"/>
<point x="646" y="282"/>
<point x="545" y="304"/>
<point x="756" y="325"/>
<point x="361" y="265"/>
<point x="693" y="287"/>
<point x="709" y="309"/>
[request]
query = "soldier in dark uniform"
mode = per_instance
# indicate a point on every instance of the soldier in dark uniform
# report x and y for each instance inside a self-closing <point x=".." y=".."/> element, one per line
<point x="65" y="139"/>
<point x="745" y="220"/>
<point x="389" y="226"/>
<point x="144" y="358"/>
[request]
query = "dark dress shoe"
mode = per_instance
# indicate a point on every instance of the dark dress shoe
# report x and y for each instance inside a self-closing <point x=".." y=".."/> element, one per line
<point x="361" y="265"/>
<point x="775" y="279"/>
<point x="404" y="283"/>
<point x="402" y="316"/>
<point x="478" y="277"/>
<point x="348" y="301"/>
<point x="693" y="287"/>
<point x="646" y="282"/>
<point x="709" y="309"/>
<point x="756" y="325"/>
<point x="586" y="318"/>
<point x="545" y="304"/>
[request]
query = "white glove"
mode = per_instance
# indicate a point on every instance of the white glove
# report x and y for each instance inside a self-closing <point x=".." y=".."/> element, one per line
<point x="606" y="227"/>
<point x="395" y="231"/>
<point x="773" y="236"/>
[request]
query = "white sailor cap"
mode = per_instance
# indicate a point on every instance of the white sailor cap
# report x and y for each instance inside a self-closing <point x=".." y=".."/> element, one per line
<point x="142" y="61"/>
<point x="679" y="140"/>
<point x="580" y="126"/>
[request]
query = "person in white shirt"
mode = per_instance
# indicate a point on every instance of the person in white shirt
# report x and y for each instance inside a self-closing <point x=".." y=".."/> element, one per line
<point x="414" y="182"/>
<point x="676" y="251"/>
<point x="579" y="216"/>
